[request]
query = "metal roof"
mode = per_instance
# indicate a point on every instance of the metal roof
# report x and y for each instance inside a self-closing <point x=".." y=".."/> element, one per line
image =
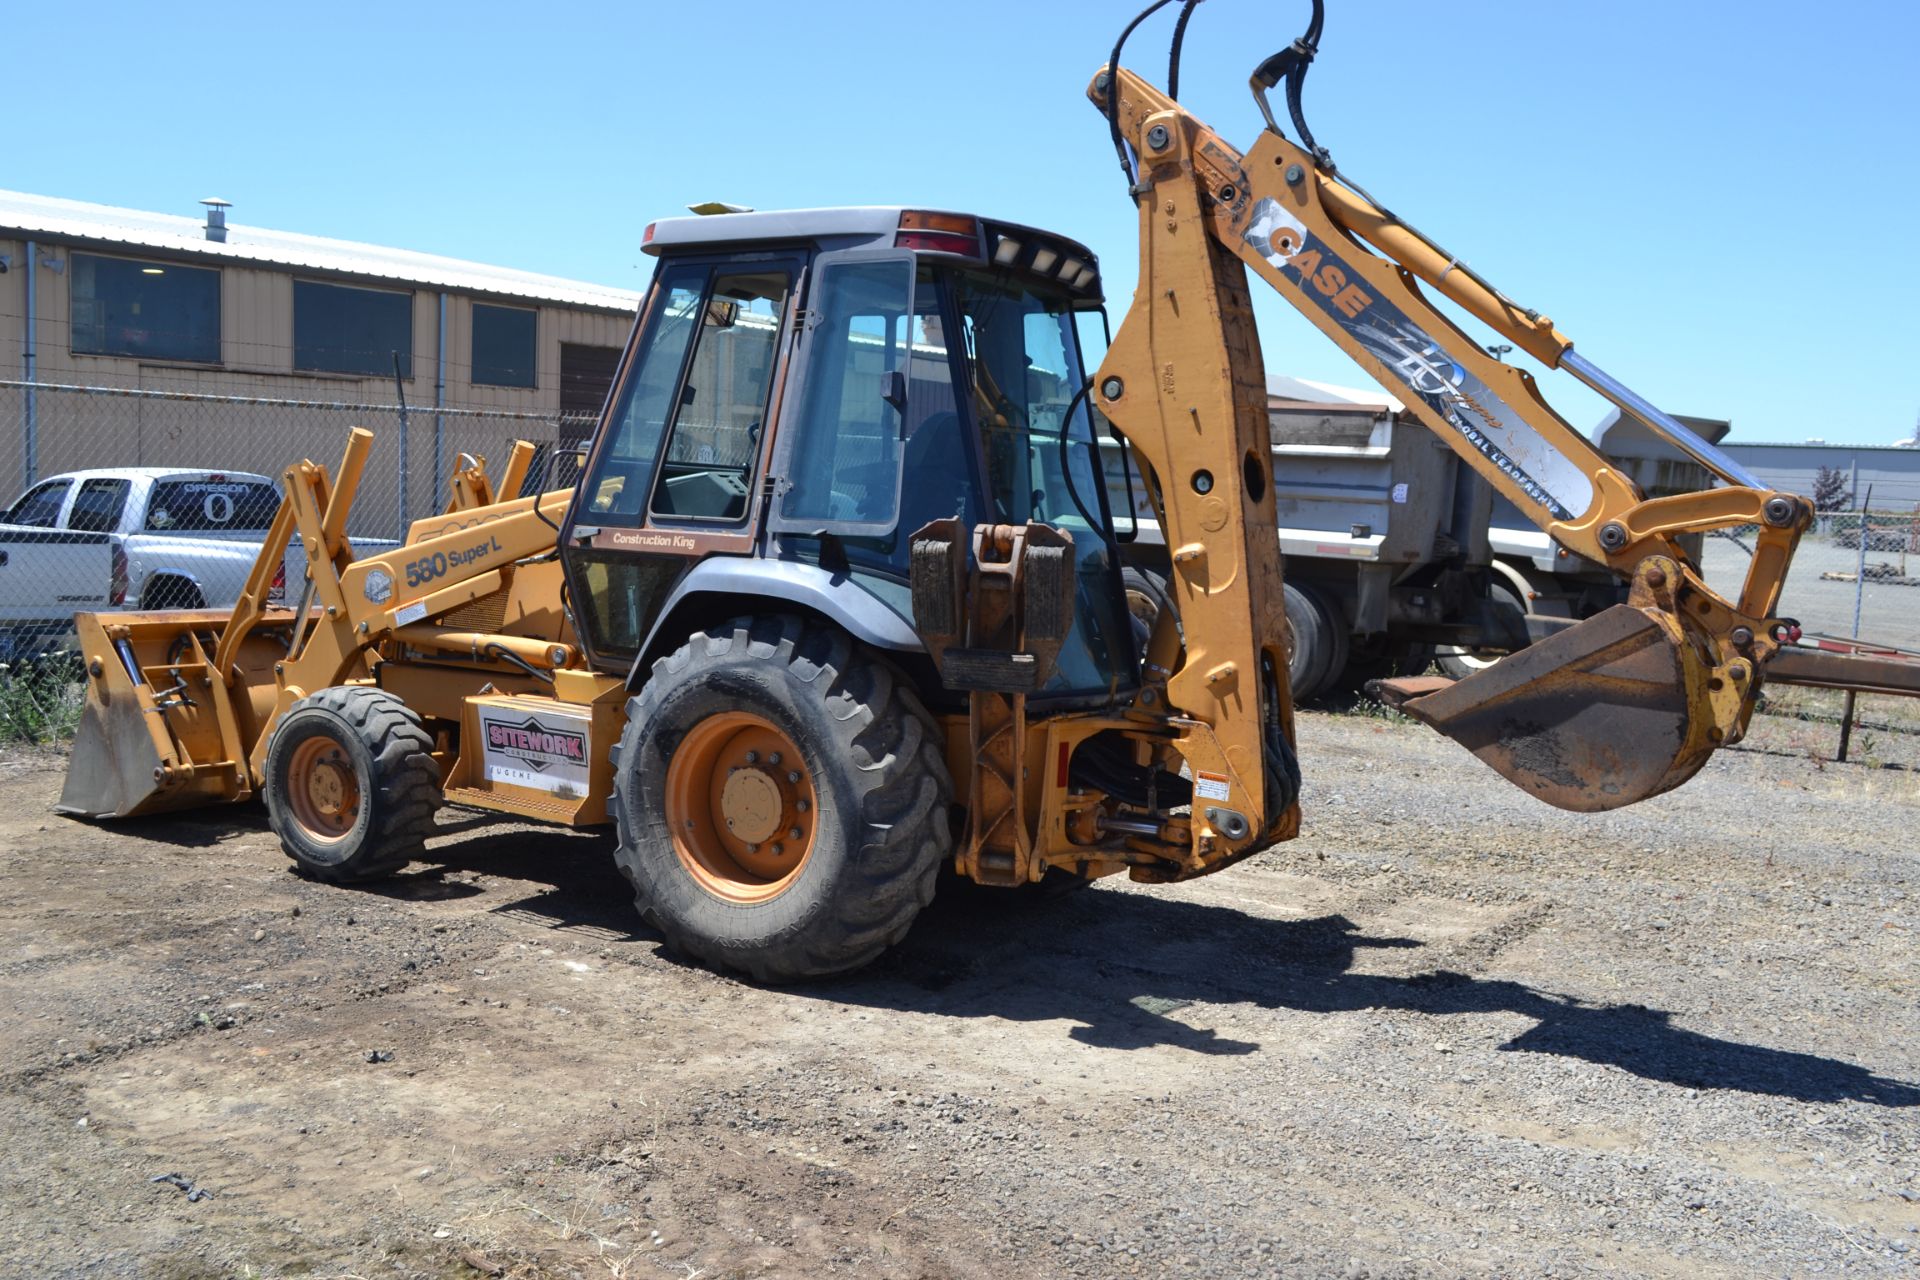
<point x="25" y="216"/>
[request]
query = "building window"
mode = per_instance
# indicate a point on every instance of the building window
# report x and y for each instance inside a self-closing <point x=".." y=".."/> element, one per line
<point x="337" y="329"/>
<point x="503" y="346"/>
<point x="147" y="310"/>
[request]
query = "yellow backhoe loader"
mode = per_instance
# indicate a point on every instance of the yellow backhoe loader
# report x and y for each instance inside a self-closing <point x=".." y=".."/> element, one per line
<point x="837" y="601"/>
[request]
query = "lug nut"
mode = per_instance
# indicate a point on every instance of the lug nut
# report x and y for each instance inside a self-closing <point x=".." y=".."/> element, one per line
<point x="803" y="806"/>
<point x="774" y="758"/>
<point x="793" y="833"/>
<point x="793" y="775"/>
<point x="777" y="850"/>
<point x="753" y="757"/>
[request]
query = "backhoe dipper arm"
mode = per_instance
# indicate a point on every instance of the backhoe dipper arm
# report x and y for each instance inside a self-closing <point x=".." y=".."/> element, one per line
<point x="1278" y="211"/>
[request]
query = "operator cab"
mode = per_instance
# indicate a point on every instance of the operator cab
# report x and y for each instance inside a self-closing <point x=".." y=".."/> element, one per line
<point x="805" y="390"/>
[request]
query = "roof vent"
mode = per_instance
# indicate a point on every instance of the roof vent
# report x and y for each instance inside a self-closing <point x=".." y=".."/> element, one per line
<point x="217" y="218"/>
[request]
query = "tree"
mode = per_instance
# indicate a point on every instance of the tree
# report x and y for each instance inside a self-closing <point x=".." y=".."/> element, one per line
<point x="1830" y="490"/>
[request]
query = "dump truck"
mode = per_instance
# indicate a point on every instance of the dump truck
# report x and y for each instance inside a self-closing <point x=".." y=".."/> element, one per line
<point x="837" y="601"/>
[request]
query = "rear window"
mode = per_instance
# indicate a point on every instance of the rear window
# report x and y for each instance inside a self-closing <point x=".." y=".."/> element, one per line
<point x="212" y="506"/>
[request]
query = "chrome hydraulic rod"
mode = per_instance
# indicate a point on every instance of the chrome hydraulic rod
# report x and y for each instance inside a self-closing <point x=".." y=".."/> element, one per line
<point x="1665" y="425"/>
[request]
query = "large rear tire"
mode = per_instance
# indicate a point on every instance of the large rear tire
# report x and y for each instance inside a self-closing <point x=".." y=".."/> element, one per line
<point x="351" y="786"/>
<point x="781" y="800"/>
<point x="1460" y="662"/>
<point x="1320" y="644"/>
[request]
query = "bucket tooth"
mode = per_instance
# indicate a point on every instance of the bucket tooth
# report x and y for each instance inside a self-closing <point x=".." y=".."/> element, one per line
<point x="1601" y="715"/>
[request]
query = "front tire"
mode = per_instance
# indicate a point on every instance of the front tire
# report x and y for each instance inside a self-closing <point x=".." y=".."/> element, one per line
<point x="351" y="786"/>
<point x="781" y="800"/>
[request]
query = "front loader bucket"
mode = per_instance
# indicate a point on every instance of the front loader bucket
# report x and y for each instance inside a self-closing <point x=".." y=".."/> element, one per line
<point x="115" y="768"/>
<point x="159" y="732"/>
<point x="1603" y="714"/>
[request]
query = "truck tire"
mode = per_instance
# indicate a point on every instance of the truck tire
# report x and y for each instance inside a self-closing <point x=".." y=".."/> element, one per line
<point x="1319" y="652"/>
<point x="781" y="800"/>
<point x="1460" y="662"/>
<point x="351" y="786"/>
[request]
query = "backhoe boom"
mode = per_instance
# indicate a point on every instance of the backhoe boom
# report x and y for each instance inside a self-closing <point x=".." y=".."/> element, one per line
<point x="1679" y="675"/>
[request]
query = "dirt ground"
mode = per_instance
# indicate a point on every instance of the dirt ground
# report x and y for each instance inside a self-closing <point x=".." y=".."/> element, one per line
<point x="1447" y="1032"/>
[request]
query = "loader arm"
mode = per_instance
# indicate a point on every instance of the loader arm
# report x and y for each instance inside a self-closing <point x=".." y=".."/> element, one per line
<point x="182" y="704"/>
<point x="1619" y="708"/>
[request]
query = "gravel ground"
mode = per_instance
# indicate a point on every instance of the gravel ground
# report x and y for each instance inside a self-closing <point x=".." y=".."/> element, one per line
<point x="1447" y="1032"/>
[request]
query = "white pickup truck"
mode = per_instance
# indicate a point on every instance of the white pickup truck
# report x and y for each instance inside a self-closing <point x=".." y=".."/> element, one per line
<point x="46" y="576"/>
<point x="182" y="538"/>
<point x="134" y="538"/>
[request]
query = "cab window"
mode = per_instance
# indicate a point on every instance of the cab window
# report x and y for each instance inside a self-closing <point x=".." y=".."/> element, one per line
<point x="708" y="470"/>
<point x="40" y="507"/>
<point x="621" y="477"/>
<point x="98" y="506"/>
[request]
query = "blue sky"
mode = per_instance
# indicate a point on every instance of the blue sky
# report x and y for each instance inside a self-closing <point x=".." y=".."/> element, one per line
<point x="1722" y="233"/>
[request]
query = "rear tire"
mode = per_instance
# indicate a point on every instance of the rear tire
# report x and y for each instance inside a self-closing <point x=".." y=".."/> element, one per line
<point x="351" y="786"/>
<point x="1320" y="644"/>
<point x="708" y="857"/>
<point x="1459" y="662"/>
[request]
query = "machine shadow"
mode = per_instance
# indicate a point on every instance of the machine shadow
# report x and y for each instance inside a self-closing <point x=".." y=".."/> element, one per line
<point x="558" y="878"/>
<point x="1117" y="963"/>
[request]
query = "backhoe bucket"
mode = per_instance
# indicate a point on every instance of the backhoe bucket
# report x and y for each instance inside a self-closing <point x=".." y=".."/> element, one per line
<point x="159" y="731"/>
<point x="1601" y="715"/>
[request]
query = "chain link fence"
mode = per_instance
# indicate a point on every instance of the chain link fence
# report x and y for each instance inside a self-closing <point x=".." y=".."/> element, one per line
<point x="92" y="522"/>
<point x="1856" y="574"/>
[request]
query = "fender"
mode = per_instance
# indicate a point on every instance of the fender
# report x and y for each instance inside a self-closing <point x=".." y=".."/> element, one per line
<point x="860" y="613"/>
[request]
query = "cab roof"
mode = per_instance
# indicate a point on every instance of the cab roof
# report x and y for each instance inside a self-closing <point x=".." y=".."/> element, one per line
<point x="846" y="227"/>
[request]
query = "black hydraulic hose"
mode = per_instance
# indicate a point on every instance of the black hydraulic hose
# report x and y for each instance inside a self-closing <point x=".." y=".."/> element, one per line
<point x="1113" y="87"/>
<point x="1066" y="460"/>
<point x="1173" y="53"/>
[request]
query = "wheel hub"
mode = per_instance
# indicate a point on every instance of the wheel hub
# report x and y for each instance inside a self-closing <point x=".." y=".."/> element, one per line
<point x="327" y="788"/>
<point x="323" y="789"/>
<point x="751" y="804"/>
<point x="741" y="807"/>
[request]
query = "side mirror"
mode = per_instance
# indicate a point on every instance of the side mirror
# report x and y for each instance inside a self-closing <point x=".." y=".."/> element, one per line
<point x="721" y="313"/>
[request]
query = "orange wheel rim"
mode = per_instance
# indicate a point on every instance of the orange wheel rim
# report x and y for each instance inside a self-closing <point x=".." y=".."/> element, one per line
<point x="742" y="807"/>
<point x="323" y="788"/>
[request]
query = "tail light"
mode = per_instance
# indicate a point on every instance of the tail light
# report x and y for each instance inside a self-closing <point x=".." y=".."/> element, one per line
<point x="939" y="233"/>
<point x="278" y="591"/>
<point x="117" y="584"/>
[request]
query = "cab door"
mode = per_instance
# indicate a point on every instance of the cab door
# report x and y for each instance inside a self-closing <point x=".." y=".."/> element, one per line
<point x="677" y="463"/>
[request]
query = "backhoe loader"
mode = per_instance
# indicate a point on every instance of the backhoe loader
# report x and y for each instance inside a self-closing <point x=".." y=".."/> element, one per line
<point x="837" y="602"/>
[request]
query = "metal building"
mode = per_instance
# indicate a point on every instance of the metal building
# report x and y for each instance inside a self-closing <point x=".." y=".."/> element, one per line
<point x="191" y="313"/>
